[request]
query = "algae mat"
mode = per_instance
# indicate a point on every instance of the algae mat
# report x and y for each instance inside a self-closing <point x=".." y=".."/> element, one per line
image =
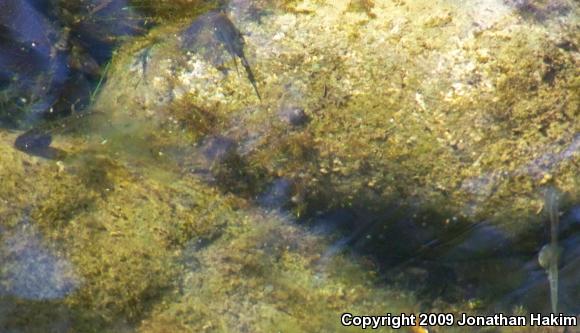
<point x="394" y="146"/>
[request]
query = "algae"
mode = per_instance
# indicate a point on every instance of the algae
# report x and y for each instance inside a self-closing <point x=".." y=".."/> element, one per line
<point x="429" y="121"/>
<point x="432" y="120"/>
<point x="152" y="249"/>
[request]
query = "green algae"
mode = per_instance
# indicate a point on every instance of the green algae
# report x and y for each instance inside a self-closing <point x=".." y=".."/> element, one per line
<point x="171" y="10"/>
<point x="135" y="253"/>
<point x="458" y="141"/>
<point x="266" y="287"/>
<point x="363" y="6"/>
<point x="160" y="250"/>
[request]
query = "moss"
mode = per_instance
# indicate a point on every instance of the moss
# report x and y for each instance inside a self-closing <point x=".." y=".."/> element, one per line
<point x="163" y="11"/>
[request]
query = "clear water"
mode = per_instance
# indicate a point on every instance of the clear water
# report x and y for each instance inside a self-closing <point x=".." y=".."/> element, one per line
<point x="267" y="166"/>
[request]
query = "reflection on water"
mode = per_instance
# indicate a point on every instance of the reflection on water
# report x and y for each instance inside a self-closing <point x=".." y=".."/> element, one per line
<point x="370" y="157"/>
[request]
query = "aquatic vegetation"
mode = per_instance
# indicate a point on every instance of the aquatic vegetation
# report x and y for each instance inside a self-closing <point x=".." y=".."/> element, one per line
<point x="401" y="133"/>
<point x="172" y="10"/>
<point x="364" y="6"/>
<point x="392" y="164"/>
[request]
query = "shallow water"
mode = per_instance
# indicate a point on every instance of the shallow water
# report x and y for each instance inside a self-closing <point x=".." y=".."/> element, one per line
<point x="266" y="166"/>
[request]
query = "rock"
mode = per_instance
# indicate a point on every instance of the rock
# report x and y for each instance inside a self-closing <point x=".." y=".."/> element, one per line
<point x="407" y="118"/>
<point x="425" y="121"/>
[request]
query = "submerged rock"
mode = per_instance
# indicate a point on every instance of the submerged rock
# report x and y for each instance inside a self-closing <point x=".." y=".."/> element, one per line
<point x="158" y="250"/>
<point x="419" y="124"/>
<point x="33" y="65"/>
<point x="430" y="115"/>
<point x="416" y="114"/>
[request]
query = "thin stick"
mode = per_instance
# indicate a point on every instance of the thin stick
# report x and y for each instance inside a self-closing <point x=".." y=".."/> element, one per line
<point x="98" y="87"/>
<point x="553" y="269"/>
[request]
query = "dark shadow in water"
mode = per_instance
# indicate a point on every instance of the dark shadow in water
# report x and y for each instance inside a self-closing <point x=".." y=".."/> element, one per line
<point x="422" y="248"/>
<point x="459" y="261"/>
<point x="540" y="10"/>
